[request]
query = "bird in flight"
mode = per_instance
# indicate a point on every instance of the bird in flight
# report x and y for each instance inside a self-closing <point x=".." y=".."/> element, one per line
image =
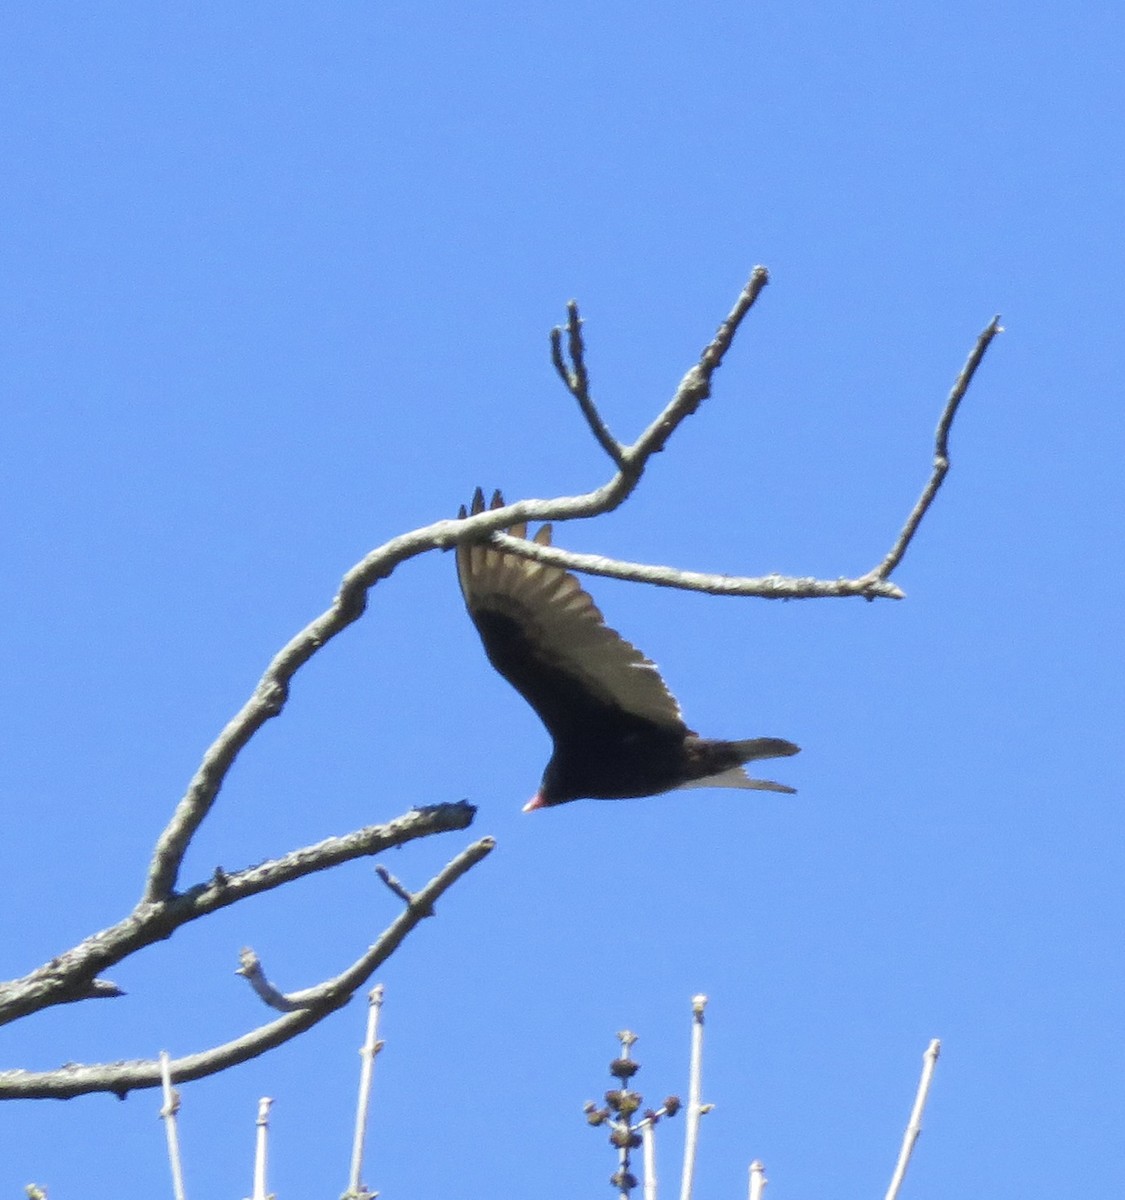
<point x="617" y="730"/>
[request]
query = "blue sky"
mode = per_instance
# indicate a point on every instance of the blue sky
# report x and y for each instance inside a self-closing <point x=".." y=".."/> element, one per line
<point x="278" y="281"/>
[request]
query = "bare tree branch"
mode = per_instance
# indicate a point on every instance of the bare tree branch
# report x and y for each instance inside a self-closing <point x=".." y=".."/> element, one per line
<point x="250" y="968"/>
<point x="394" y="884"/>
<point x="356" y="1189"/>
<point x="269" y="697"/>
<point x="770" y="587"/>
<point x="168" y="1112"/>
<point x="100" y="989"/>
<point x="941" y="451"/>
<point x="695" y="1106"/>
<point x="124" y="1077"/>
<point x="162" y="909"/>
<point x="758" y="1179"/>
<point x="874" y="584"/>
<point x="66" y="977"/>
<point x="914" y="1125"/>
<point x="261" y="1149"/>
<point x="577" y="382"/>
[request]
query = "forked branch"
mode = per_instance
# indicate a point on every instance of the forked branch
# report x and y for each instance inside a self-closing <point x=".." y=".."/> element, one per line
<point x="316" y="1004"/>
<point x="67" y="977"/>
<point x="693" y="389"/>
<point x="576" y="379"/>
<point x="269" y="697"/>
<point x="163" y="908"/>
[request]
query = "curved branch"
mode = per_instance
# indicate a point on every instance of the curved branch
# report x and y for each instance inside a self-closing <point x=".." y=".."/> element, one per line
<point x="67" y="977"/>
<point x="576" y="379"/>
<point x="941" y="451"/>
<point x="74" y="975"/>
<point x="162" y="910"/>
<point x="695" y="387"/>
<point x="123" y="1077"/>
<point x="250" y="968"/>
<point x="769" y="587"/>
<point x="270" y="695"/>
<point x="875" y="584"/>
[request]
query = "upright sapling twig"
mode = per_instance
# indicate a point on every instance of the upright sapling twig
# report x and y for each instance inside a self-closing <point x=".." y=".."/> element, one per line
<point x="357" y="1190"/>
<point x="168" y="1111"/>
<point x="262" y="1149"/>
<point x="914" y="1125"/>
<point x="695" y="1107"/>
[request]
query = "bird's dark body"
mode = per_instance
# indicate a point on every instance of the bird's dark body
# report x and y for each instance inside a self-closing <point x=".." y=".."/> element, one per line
<point x="631" y="763"/>
<point x="617" y="730"/>
<point x="601" y="751"/>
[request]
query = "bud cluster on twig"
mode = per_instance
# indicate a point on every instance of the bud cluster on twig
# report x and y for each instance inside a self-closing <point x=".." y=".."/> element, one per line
<point x="626" y="1132"/>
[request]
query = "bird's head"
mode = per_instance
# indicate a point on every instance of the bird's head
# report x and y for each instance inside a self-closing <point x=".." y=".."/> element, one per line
<point x="552" y="790"/>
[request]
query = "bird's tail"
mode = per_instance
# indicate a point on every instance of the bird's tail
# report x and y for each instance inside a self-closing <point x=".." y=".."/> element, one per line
<point x="743" y="752"/>
<point x="752" y="749"/>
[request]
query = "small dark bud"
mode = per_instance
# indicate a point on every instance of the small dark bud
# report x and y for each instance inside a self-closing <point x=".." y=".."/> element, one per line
<point x="613" y="1098"/>
<point x="650" y="1116"/>
<point x="624" y="1068"/>
<point x="624" y="1181"/>
<point x="672" y="1105"/>
<point x="596" y="1116"/>
<point x="623" y="1138"/>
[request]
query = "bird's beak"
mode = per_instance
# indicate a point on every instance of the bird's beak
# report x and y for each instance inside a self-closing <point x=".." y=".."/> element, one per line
<point x="535" y="802"/>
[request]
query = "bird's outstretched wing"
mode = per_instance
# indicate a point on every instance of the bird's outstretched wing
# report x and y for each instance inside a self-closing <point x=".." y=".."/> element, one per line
<point x="546" y="636"/>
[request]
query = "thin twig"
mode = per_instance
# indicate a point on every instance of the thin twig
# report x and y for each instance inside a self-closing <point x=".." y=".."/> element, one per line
<point x="576" y="346"/>
<point x="758" y="1179"/>
<point x="648" y="1147"/>
<point x="769" y="587"/>
<point x="357" y="1190"/>
<point x="646" y="1127"/>
<point x="577" y="381"/>
<point x="621" y="1124"/>
<point x="120" y="1078"/>
<point x="261" y="1149"/>
<point x="914" y="1125"/>
<point x="941" y="451"/>
<point x="168" y="1111"/>
<point x="695" y="387"/>
<point x="695" y="1106"/>
<point x="394" y="884"/>
<point x="250" y="968"/>
<point x="63" y="978"/>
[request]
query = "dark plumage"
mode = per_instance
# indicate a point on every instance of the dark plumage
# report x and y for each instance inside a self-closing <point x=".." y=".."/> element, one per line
<point x="618" y="731"/>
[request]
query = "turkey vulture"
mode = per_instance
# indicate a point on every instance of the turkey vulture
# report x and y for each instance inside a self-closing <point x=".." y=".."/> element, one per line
<point x="618" y="731"/>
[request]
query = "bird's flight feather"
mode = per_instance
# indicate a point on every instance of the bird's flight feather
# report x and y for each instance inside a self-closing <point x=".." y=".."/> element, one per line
<point x="533" y="614"/>
<point x="617" y="729"/>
